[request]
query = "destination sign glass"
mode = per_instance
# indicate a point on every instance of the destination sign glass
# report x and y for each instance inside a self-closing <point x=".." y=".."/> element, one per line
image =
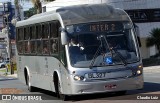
<point x="95" y="27"/>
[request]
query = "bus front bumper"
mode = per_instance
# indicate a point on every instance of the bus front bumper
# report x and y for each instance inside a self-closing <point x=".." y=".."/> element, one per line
<point x="82" y="87"/>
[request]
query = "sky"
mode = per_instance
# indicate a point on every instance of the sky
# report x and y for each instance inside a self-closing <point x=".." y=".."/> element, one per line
<point x="25" y="4"/>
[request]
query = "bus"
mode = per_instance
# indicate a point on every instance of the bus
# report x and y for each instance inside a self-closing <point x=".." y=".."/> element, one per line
<point x="76" y="50"/>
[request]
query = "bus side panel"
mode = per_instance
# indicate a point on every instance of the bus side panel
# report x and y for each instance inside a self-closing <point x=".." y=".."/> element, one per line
<point x="65" y="80"/>
<point x="20" y="69"/>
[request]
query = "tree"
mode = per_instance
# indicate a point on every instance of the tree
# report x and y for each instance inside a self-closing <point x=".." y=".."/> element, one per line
<point x="29" y="13"/>
<point x="154" y="39"/>
<point x="38" y="5"/>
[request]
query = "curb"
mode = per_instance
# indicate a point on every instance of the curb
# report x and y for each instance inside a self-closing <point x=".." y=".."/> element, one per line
<point x="152" y="69"/>
<point x="8" y="74"/>
<point x="13" y="76"/>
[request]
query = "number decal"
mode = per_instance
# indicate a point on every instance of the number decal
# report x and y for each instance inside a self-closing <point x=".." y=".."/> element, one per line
<point x="96" y="75"/>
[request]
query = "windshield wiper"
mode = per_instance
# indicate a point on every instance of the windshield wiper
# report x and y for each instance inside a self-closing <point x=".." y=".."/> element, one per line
<point x="101" y="46"/>
<point x="95" y="56"/>
<point x="120" y="56"/>
<point x="110" y="49"/>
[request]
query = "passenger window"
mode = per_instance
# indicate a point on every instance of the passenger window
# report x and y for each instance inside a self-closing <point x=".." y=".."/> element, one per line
<point x="33" y="32"/>
<point x="20" y="34"/>
<point x="45" y="31"/>
<point x="39" y="46"/>
<point x="20" y="47"/>
<point x="45" y="46"/>
<point x="33" y="47"/>
<point x="54" y="46"/>
<point x="54" y="29"/>
<point x="38" y="31"/>
<point x="27" y="46"/>
<point x="26" y="33"/>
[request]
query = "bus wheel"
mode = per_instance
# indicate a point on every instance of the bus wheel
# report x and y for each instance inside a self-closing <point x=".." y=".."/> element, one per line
<point x="30" y="88"/>
<point x="58" y="91"/>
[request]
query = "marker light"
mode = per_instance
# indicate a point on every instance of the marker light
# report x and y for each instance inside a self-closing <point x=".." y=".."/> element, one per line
<point x="140" y="66"/>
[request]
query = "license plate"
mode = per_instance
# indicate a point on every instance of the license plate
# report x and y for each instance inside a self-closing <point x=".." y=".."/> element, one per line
<point x="96" y="75"/>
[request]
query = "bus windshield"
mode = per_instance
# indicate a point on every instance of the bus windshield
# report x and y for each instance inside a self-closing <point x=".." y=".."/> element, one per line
<point x="103" y="49"/>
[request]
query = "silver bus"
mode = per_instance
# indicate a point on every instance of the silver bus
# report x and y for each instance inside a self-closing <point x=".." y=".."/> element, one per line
<point x="78" y="50"/>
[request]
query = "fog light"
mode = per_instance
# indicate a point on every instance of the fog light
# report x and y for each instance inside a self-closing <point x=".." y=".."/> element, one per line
<point x="138" y="72"/>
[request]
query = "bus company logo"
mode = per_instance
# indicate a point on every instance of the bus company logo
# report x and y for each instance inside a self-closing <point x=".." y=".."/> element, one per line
<point x="6" y="97"/>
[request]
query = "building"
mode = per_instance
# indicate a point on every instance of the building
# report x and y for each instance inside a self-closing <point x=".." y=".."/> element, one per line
<point x="1" y="16"/>
<point x="144" y="13"/>
<point x="7" y="14"/>
<point x="26" y="4"/>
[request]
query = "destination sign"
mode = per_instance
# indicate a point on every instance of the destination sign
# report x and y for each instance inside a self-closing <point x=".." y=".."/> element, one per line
<point x="95" y="27"/>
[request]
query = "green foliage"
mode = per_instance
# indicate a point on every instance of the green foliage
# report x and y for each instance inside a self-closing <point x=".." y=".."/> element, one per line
<point x="30" y="12"/>
<point x="14" y="67"/>
<point x="154" y="38"/>
<point x="16" y="2"/>
<point x="37" y="4"/>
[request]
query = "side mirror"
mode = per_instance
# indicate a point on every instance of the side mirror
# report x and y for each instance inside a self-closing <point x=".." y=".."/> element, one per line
<point x="64" y="38"/>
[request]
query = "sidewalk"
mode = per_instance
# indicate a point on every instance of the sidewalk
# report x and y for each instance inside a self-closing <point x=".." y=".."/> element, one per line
<point x="152" y="69"/>
<point x="3" y="72"/>
<point x="13" y="75"/>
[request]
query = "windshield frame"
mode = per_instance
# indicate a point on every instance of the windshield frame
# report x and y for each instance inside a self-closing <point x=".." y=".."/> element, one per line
<point x="133" y="36"/>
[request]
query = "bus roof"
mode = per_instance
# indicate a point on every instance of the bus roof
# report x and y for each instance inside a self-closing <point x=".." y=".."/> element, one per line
<point x="79" y="14"/>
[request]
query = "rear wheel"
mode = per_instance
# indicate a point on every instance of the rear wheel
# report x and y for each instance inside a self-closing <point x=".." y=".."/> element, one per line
<point x="30" y="88"/>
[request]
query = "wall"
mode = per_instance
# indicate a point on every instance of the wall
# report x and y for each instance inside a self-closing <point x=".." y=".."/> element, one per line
<point x="144" y="26"/>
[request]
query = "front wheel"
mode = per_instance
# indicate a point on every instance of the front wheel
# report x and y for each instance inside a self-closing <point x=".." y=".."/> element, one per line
<point x="58" y="91"/>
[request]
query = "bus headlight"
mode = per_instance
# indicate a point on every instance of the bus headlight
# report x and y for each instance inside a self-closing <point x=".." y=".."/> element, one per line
<point x="138" y="72"/>
<point x="78" y="78"/>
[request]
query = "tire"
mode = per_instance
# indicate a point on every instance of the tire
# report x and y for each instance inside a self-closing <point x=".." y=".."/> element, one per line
<point x="30" y="88"/>
<point x="58" y="91"/>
